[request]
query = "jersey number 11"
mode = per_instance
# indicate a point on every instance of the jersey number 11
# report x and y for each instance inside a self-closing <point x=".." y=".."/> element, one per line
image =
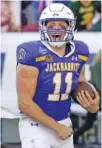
<point x="57" y="96"/>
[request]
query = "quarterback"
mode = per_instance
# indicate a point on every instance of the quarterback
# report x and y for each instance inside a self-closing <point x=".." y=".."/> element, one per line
<point x="47" y="71"/>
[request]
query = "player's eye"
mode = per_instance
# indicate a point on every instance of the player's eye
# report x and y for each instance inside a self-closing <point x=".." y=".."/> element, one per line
<point x="50" y="26"/>
<point x="63" y="27"/>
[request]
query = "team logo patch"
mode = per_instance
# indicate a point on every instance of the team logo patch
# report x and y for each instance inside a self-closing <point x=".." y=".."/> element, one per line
<point x="42" y="50"/>
<point x="49" y="58"/>
<point x="21" y="53"/>
<point x="74" y="58"/>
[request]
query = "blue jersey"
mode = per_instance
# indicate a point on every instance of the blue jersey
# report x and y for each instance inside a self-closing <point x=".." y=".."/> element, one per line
<point x="58" y="75"/>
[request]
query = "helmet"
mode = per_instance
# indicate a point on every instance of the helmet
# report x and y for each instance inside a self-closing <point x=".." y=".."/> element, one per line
<point x="57" y="12"/>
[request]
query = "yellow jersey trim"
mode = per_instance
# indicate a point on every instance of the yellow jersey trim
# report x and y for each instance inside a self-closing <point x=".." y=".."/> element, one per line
<point x="38" y="59"/>
<point x="84" y="58"/>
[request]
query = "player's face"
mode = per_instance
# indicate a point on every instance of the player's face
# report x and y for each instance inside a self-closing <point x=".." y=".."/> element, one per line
<point x="5" y="13"/>
<point x="57" y="34"/>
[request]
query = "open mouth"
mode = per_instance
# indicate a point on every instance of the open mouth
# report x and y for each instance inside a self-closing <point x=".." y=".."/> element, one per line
<point x="56" y="37"/>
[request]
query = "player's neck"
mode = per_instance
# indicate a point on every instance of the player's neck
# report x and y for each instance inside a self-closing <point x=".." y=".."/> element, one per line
<point x="60" y="51"/>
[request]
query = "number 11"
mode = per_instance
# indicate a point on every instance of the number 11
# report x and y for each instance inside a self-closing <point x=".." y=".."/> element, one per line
<point x="56" y="96"/>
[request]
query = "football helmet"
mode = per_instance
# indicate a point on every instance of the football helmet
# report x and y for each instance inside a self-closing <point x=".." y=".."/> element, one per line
<point x="57" y="12"/>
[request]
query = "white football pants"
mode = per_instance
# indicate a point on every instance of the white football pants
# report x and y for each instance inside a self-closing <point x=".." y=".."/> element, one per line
<point x="35" y="135"/>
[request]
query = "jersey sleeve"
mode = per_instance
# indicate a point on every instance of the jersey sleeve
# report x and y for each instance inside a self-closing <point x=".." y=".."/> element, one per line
<point x="83" y="52"/>
<point x="83" y="55"/>
<point x="25" y="56"/>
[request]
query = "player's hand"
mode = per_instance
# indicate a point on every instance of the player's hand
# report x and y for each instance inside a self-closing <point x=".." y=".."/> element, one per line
<point x="64" y="132"/>
<point x="87" y="102"/>
<point x="89" y="26"/>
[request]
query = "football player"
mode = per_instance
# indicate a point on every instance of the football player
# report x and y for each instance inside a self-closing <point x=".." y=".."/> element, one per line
<point x="47" y="72"/>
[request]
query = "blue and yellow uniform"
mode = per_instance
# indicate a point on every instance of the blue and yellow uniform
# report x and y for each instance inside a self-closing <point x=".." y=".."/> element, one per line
<point x="58" y="75"/>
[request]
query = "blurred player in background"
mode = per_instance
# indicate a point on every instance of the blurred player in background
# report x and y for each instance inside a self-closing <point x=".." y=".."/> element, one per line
<point x="96" y="71"/>
<point x="47" y="72"/>
<point x="7" y="19"/>
<point x="88" y="14"/>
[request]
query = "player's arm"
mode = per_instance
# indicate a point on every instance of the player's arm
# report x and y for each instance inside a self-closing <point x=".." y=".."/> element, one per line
<point x="85" y="99"/>
<point x="26" y="81"/>
<point x="26" y="87"/>
<point x="82" y="75"/>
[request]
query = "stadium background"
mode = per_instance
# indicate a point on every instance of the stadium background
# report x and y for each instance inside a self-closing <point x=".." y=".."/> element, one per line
<point x="26" y="29"/>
